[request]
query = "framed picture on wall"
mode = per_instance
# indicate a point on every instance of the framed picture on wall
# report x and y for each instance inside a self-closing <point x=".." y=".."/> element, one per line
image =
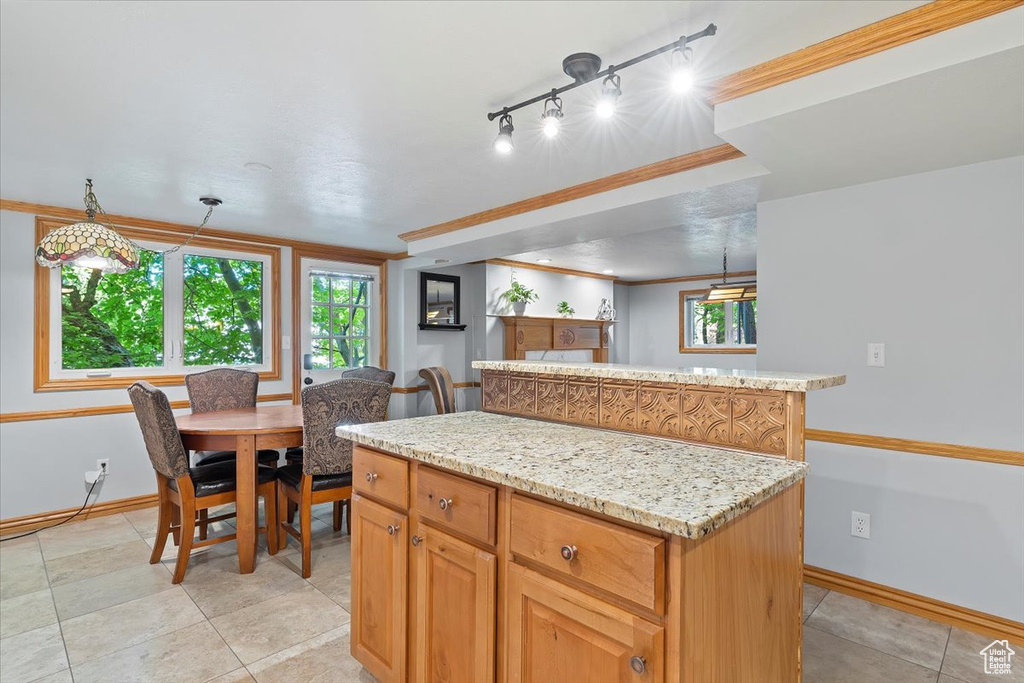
<point x="440" y="302"/>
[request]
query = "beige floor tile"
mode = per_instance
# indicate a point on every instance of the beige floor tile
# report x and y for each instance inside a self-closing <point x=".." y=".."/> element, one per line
<point x="21" y="568"/>
<point x="59" y="677"/>
<point x="236" y="676"/>
<point x="963" y="659"/>
<point x="99" y="633"/>
<point x="812" y="596"/>
<point x="273" y="625"/>
<point x="95" y="562"/>
<point x="831" y="659"/>
<point x="144" y="520"/>
<point x="192" y="654"/>
<point x="106" y="590"/>
<point x="338" y="587"/>
<point x="217" y="588"/>
<point x="79" y="537"/>
<point x="31" y="655"/>
<point x="26" y="613"/>
<point x="888" y="630"/>
<point x="943" y="678"/>
<point x="323" y="659"/>
<point x="329" y="554"/>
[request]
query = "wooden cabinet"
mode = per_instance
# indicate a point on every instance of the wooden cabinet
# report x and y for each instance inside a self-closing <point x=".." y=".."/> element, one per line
<point x="380" y="541"/>
<point x="454" y="602"/>
<point x="557" y="633"/>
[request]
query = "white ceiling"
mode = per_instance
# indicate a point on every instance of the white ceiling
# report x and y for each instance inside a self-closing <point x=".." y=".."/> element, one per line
<point x="372" y="115"/>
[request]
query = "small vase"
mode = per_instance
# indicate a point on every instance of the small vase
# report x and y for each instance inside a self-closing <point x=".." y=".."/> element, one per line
<point x="519" y="307"/>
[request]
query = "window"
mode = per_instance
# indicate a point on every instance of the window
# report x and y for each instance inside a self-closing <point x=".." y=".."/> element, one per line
<point x="340" y="328"/>
<point x="729" y="327"/>
<point x="212" y="303"/>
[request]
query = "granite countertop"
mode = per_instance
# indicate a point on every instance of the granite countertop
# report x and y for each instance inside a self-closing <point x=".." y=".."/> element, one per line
<point x="714" y="377"/>
<point x="681" y="488"/>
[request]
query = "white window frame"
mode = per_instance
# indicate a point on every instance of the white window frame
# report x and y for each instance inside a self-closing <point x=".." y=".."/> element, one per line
<point x="687" y="328"/>
<point x="174" y="322"/>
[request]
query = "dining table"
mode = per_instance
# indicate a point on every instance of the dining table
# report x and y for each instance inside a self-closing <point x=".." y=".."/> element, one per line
<point x="245" y="431"/>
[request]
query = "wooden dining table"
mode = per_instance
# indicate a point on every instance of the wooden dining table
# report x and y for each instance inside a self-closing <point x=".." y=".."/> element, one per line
<point x="244" y="431"/>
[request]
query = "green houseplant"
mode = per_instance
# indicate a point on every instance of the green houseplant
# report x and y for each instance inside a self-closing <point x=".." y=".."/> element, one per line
<point x="565" y="310"/>
<point x="519" y="296"/>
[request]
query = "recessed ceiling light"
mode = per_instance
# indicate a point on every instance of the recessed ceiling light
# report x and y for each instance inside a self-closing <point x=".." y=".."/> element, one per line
<point x="257" y="166"/>
<point x="439" y="261"/>
<point x="608" y="271"/>
<point x="543" y="260"/>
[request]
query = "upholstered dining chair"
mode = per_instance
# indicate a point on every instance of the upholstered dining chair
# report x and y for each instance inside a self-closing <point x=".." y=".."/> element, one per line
<point x="441" y="388"/>
<point x="325" y="474"/>
<point x="184" y="490"/>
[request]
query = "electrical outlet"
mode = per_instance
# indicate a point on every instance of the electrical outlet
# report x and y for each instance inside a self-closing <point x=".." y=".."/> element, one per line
<point x="860" y="524"/>
<point x="876" y="355"/>
<point x="103" y="465"/>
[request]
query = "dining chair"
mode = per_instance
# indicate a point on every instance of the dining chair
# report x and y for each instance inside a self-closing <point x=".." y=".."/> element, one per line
<point x="441" y="388"/>
<point x="184" y="490"/>
<point x="325" y="474"/>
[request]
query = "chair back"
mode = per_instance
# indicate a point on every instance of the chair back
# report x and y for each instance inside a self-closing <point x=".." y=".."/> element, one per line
<point x="348" y="400"/>
<point x="222" y="389"/>
<point x="441" y="388"/>
<point x="159" y="430"/>
<point x="371" y="373"/>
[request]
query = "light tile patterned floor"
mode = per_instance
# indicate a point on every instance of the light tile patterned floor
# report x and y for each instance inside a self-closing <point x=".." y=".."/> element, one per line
<point x="81" y="603"/>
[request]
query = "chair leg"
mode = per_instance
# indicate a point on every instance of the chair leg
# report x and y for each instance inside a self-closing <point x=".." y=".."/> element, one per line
<point x="292" y="507"/>
<point x="203" y="524"/>
<point x="348" y="517"/>
<point x="306" y="523"/>
<point x="282" y="512"/>
<point x="165" y="517"/>
<point x="188" y="530"/>
<point x="337" y="515"/>
<point x="269" y="494"/>
<point x="176" y="512"/>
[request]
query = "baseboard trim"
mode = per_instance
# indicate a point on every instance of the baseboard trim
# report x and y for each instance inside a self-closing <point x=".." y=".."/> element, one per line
<point x="943" y="612"/>
<point x="13" y="525"/>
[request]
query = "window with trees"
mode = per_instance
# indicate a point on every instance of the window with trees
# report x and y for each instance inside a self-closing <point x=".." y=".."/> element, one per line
<point x="340" y="327"/>
<point x="729" y="327"/>
<point x="180" y="311"/>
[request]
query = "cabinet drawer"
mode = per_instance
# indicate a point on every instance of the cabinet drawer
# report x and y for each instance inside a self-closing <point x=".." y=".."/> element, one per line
<point x="381" y="476"/>
<point x="458" y="504"/>
<point x="621" y="561"/>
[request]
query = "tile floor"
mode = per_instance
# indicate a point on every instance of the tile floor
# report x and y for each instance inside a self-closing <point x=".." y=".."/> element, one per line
<point x="81" y="603"/>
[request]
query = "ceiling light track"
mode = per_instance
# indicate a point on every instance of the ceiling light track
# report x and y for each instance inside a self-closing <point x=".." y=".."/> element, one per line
<point x="583" y="68"/>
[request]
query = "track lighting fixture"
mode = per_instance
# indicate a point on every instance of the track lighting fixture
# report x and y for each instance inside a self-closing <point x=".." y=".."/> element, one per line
<point x="610" y="93"/>
<point x="552" y="116"/>
<point x="683" y="76"/>
<point x="503" y="143"/>
<point x="584" y="67"/>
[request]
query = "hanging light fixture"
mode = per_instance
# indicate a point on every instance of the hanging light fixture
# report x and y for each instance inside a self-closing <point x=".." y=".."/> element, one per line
<point x="552" y="116"/>
<point x="683" y="76"/>
<point x="610" y="93"/>
<point x="94" y="245"/>
<point x="730" y="291"/>
<point x="503" y="143"/>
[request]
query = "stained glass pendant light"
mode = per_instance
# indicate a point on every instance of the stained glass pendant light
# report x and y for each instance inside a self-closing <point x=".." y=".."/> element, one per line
<point x="88" y="244"/>
<point x="730" y="291"/>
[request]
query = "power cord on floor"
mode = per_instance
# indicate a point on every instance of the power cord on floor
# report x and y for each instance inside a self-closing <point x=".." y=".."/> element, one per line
<point x="63" y="521"/>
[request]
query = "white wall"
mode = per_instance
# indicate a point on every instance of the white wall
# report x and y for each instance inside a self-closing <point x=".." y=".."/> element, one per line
<point x="930" y="265"/>
<point x="654" y="330"/>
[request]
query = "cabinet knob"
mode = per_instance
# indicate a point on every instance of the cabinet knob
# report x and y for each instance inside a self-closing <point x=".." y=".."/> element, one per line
<point x="393" y="529"/>
<point x="638" y="664"/>
<point x="569" y="553"/>
<point x="445" y="503"/>
<point x="416" y="540"/>
<point x="371" y="476"/>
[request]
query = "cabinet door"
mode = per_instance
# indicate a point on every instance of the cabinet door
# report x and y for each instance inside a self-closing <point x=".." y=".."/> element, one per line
<point x="379" y="588"/>
<point x="556" y="633"/>
<point x="454" y="602"/>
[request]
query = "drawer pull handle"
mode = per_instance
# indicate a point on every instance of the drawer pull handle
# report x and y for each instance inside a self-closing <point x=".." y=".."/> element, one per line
<point x="445" y="504"/>
<point x="416" y="540"/>
<point x="371" y="476"/>
<point x="393" y="529"/>
<point x="569" y="553"/>
<point x="638" y="664"/>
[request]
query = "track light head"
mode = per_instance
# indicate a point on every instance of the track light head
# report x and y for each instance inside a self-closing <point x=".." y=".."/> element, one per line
<point x="683" y="76"/>
<point x="552" y="116"/>
<point x="610" y="92"/>
<point x="503" y="143"/>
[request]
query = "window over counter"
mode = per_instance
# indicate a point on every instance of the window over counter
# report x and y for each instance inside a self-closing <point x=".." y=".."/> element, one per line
<point x="728" y="327"/>
<point x="340" y="330"/>
<point x="213" y="303"/>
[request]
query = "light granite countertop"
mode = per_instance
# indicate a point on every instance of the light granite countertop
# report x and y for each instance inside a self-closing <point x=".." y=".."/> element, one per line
<point x="681" y="488"/>
<point x="711" y="377"/>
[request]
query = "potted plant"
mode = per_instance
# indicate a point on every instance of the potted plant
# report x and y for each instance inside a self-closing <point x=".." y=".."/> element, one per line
<point x="519" y="296"/>
<point x="565" y="310"/>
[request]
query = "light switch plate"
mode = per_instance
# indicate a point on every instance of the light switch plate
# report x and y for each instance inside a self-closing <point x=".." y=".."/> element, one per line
<point x="876" y="355"/>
